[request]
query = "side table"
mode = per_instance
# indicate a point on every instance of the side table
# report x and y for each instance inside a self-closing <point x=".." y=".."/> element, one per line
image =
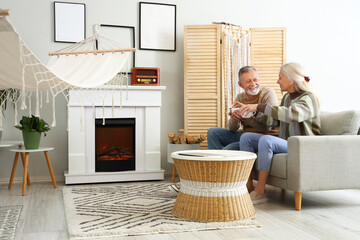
<point x="20" y="144"/>
<point x="26" y="163"/>
<point x="213" y="185"/>
<point x="179" y="147"/>
<point x="10" y="143"/>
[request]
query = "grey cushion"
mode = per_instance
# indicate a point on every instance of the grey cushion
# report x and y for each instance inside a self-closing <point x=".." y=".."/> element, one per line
<point x="340" y="123"/>
<point x="278" y="165"/>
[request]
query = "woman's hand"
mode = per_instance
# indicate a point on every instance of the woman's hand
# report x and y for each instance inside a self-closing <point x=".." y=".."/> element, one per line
<point x="245" y="109"/>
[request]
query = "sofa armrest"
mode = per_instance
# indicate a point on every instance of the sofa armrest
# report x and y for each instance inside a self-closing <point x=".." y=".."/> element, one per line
<point x="323" y="162"/>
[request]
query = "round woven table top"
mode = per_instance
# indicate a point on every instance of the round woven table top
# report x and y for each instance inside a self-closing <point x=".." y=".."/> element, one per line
<point x="213" y="155"/>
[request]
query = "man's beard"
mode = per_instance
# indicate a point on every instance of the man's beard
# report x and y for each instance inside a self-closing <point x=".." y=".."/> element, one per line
<point x="253" y="90"/>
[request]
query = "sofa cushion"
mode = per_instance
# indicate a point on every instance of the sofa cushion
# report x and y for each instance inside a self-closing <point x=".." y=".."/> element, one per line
<point x="340" y="123"/>
<point x="278" y="165"/>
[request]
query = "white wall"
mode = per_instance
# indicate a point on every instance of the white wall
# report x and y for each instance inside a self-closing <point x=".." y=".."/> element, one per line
<point x="322" y="35"/>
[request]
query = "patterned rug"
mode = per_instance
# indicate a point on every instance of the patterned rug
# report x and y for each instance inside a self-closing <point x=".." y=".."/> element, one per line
<point x="123" y="209"/>
<point x="9" y="218"/>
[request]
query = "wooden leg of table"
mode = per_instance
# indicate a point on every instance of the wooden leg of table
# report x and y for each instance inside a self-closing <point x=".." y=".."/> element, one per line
<point x="23" y="161"/>
<point x="50" y="168"/>
<point x="25" y="173"/>
<point x="13" y="170"/>
<point x="173" y="174"/>
<point x="23" y="158"/>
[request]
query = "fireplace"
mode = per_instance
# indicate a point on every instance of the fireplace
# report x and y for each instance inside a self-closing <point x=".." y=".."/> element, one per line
<point x="139" y="108"/>
<point x="115" y="145"/>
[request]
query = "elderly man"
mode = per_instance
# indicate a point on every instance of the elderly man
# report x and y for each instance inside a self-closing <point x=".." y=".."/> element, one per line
<point x="220" y="138"/>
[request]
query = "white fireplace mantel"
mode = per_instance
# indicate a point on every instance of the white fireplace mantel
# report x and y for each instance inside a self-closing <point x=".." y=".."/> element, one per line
<point x="143" y="103"/>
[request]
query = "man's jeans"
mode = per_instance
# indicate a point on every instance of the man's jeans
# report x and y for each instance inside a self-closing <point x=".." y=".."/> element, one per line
<point x="220" y="137"/>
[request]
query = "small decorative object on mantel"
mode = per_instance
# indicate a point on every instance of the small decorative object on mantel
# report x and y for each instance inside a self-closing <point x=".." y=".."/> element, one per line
<point x="31" y="128"/>
<point x="181" y="138"/>
<point x="145" y="76"/>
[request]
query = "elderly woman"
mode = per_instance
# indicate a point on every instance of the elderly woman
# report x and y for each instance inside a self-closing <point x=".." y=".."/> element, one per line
<point x="298" y="114"/>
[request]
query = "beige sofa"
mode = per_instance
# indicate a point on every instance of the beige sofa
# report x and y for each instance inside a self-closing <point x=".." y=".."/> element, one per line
<point x="327" y="162"/>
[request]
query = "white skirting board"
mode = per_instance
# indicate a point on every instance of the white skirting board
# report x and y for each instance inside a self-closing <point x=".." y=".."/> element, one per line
<point x="124" y="176"/>
<point x="36" y="179"/>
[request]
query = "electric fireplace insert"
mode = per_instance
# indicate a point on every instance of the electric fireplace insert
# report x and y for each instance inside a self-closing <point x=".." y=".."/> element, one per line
<point x="114" y="144"/>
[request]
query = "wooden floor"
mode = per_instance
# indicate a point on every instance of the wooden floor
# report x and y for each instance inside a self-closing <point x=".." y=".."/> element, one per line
<point x="324" y="215"/>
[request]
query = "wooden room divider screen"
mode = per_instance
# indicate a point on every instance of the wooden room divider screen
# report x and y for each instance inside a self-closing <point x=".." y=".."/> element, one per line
<point x="206" y="70"/>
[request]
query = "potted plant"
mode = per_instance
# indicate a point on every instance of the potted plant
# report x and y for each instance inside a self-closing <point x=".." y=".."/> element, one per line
<point x="31" y="128"/>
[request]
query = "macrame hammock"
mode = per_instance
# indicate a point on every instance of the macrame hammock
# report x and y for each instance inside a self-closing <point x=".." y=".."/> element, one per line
<point x="78" y="67"/>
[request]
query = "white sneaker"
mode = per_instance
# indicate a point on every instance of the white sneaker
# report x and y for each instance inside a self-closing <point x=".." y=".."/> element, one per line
<point x="174" y="187"/>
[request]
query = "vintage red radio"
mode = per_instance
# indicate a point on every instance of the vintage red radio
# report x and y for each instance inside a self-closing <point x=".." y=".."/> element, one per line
<point x="145" y="76"/>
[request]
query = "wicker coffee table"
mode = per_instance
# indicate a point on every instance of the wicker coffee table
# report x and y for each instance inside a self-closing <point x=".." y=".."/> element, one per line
<point x="213" y="185"/>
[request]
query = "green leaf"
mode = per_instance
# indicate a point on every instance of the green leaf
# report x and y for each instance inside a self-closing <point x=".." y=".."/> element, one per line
<point x="33" y="124"/>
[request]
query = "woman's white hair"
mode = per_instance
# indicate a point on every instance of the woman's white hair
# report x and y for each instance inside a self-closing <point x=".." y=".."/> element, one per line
<point x="294" y="71"/>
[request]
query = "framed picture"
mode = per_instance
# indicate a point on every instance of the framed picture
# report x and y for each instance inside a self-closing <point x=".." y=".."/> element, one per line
<point x="124" y="35"/>
<point x="157" y="26"/>
<point x="69" y="22"/>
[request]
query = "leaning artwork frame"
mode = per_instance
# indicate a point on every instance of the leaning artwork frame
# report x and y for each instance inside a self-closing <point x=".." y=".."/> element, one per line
<point x="157" y="26"/>
<point x="69" y="22"/>
<point x="124" y="35"/>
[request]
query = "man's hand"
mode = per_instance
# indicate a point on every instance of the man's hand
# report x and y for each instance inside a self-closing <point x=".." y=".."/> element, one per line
<point x="236" y="114"/>
<point x="237" y="105"/>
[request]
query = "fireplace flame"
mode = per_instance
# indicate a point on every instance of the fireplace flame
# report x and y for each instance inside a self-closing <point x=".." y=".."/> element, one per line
<point x="110" y="153"/>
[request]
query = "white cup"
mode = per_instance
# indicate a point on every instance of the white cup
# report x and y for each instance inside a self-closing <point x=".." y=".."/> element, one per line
<point x="245" y="115"/>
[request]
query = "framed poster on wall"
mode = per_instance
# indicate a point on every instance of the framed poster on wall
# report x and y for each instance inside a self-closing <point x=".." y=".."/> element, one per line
<point x="157" y="26"/>
<point x="69" y="22"/>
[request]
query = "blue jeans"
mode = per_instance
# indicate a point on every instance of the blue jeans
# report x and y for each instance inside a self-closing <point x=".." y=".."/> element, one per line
<point x="265" y="145"/>
<point x="221" y="138"/>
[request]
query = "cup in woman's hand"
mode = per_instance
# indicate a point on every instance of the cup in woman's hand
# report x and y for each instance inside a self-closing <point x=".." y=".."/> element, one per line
<point x="245" y="115"/>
